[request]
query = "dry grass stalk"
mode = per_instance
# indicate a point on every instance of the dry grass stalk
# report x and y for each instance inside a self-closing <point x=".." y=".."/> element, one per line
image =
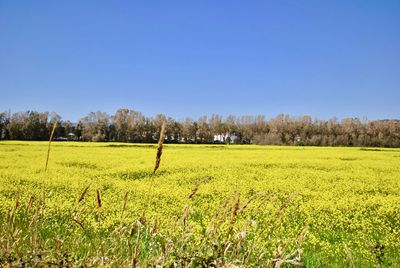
<point x="17" y="201"/>
<point x="185" y="215"/>
<point x="241" y="238"/>
<point x="154" y="227"/>
<point x="196" y="188"/>
<point x="133" y="229"/>
<point x="83" y="194"/>
<point x="13" y="212"/>
<point x="285" y="204"/>
<point x="98" y="198"/>
<point x="248" y="201"/>
<point x="277" y="221"/>
<point x="137" y="244"/>
<point x="79" y="223"/>
<point x="302" y="236"/>
<point x="233" y="218"/>
<point x="50" y="139"/>
<point x="125" y="201"/>
<point x="159" y="148"/>
<point x="293" y="258"/>
<point x="37" y="214"/>
<point x="156" y="166"/>
<point x="235" y="207"/>
<point x="29" y="204"/>
<point x="349" y="257"/>
<point x="279" y="212"/>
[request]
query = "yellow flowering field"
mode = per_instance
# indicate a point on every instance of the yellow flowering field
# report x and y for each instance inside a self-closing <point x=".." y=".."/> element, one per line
<point x="99" y="204"/>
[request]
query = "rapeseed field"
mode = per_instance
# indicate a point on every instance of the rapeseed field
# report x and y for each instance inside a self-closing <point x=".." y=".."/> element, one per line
<point x="99" y="204"/>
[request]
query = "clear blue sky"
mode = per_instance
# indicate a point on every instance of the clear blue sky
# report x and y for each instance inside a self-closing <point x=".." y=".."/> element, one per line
<point x="188" y="58"/>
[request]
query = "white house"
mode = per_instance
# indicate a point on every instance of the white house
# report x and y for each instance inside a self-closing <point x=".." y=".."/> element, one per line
<point x="223" y="138"/>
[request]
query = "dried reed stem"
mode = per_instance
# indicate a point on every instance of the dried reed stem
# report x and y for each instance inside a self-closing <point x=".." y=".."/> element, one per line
<point x="234" y="212"/>
<point x="249" y="200"/>
<point x="98" y="198"/>
<point x="51" y="138"/>
<point x="17" y="201"/>
<point x="29" y="204"/>
<point x="124" y="206"/>
<point x="137" y="245"/>
<point x="285" y="204"/>
<point x="156" y="165"/>
<point x="159" y="148"/>
<point x="125" y="200"/>
<point x="79" y="223"/>
<point x="83" y="194"/>
<point x="235" y="207"/>
<point x="154" y="227"/>
<point x="196" y="188"/>
<point x="185" y="215"/>
<point x="302" y="236"/>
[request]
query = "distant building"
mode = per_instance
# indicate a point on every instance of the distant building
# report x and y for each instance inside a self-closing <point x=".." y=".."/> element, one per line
<point x="225" y="138"/>
<point x="72" y="137"/>
<point x="298" y="141"/>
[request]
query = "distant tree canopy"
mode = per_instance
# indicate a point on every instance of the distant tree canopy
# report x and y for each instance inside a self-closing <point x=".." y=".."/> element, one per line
<point x="132" y="126"/>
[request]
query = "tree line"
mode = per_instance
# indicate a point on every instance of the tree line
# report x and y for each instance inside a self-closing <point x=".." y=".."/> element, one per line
<point x="132" y="126"/>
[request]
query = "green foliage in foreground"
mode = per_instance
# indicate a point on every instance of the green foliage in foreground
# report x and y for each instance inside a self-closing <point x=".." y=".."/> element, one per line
<point x="100" y="205"/>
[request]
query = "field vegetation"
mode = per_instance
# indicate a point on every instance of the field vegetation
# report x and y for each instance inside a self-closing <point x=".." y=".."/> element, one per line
<point x="101" y="204"/>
